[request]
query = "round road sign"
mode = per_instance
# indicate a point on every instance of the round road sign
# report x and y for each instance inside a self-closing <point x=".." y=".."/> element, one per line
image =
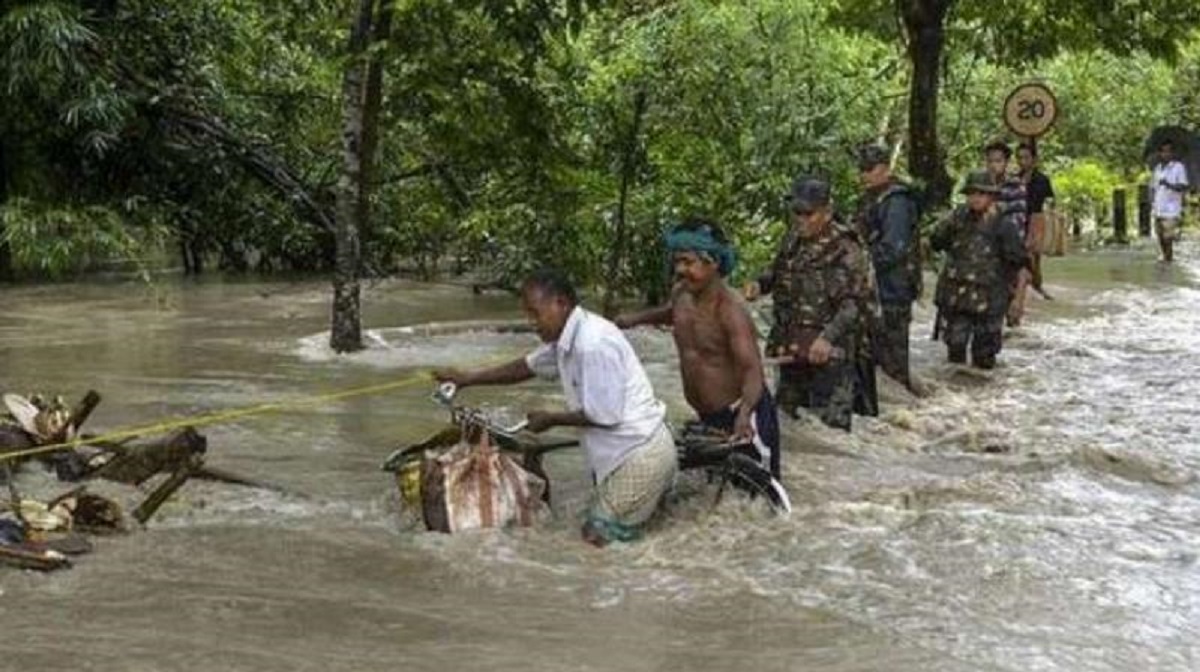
<point x="1030" y="110"/>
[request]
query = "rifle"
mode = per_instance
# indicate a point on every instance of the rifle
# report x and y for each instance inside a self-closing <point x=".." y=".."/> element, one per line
<point x="801" y="359"/>
<point x="798" y="356"/>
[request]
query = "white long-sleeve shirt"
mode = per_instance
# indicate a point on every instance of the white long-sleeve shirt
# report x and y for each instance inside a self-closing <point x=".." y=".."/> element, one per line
<point x="602" y="376"/>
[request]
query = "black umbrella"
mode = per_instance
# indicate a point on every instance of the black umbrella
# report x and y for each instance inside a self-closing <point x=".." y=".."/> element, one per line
<point x="1185" y="144"/>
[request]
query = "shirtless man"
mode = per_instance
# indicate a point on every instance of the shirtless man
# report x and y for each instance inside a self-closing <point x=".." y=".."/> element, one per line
<point x="718" y="349"/>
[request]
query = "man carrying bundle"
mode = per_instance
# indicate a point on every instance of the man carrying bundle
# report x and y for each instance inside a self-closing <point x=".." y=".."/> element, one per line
<point x="718" y="350"/>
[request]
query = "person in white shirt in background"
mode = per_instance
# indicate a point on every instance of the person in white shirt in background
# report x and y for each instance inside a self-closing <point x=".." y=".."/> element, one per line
<point x="630" y="451"/>
<point x="1169" y="183"/>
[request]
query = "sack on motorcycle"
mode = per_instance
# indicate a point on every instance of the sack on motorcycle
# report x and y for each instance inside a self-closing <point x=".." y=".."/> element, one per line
<point x="472" y="486"/>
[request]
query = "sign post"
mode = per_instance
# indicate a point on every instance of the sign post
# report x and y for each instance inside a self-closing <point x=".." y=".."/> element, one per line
<point x="1029" y="112"/>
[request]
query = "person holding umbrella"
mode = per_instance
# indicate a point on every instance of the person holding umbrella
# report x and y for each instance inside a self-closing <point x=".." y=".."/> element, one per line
<point x="1169" y="182"/>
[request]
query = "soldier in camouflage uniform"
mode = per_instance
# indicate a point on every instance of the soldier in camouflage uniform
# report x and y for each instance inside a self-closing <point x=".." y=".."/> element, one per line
<point x="889" y="217"/>
<point x="982" y="252"/>
<point x="819" y="280"/>
<point x="1011" y="204"/>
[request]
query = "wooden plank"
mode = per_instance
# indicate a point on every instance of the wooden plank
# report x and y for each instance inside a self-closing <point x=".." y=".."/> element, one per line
<point x="146" y="510"/>
<point x="24" y="557"/>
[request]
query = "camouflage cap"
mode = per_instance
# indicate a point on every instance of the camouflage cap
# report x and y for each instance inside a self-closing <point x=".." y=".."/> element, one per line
<point x="808" y="194"/>
<point x="872" y="155"/>
<point x="979" y="181"/>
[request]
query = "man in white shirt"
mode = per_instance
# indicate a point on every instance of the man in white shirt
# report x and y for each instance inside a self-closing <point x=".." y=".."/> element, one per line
<point x="1169" y="183"/>
<point x="630" y="451"/>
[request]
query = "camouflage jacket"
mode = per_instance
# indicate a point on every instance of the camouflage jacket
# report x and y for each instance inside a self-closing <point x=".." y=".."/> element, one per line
<point x="982" y="253"/>
<point x="821" y="287"/>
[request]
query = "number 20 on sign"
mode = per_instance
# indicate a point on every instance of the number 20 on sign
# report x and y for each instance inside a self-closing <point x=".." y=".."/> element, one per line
<point x="1030" y="110"/>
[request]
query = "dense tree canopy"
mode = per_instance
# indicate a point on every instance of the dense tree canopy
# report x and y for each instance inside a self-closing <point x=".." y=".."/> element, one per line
<point x="510" y="134"/>
<point x="1018" y="34"/>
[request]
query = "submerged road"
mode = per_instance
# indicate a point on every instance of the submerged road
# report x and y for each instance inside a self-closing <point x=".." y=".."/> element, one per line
<point x="1043" y="517"/>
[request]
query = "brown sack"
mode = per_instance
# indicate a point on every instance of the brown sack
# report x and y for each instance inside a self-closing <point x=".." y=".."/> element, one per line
<point x="475" y="486"/>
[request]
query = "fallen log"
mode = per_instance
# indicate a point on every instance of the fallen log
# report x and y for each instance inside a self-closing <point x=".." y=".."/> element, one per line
<point x="225" y="476"/>
<point x="83" y="409"/>
<point x="163" y="492"/>
<point x="38" y="423"/>
<point x="25" y="557"/>
<point x="467" y="326"/>
<point x="136" y="463"/>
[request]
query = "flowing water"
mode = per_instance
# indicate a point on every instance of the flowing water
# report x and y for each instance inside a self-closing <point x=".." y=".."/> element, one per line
<point x="1045" y="516"/>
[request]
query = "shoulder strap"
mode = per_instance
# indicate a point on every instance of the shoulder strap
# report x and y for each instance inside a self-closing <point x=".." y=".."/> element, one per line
<point x="898" y="188"/>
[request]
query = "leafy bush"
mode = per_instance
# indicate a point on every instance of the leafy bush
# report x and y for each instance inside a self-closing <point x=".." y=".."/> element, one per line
<point x="56" y="240"/>
<point x="1083" y="191"/>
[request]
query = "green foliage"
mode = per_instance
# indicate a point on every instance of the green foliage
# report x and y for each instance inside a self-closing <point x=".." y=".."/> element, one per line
<point x="1014" y="35"/>
<point x="1107" y="107"/>
<point x="92" y="131"/>
<point x="1185" y="91"/>
<point x="53" y="241"/>
<point x="1018" y="33"/>
<point x="1084" y="189"/>
<point x="1023" y="31"/>
<point x="1110" y="105"/>
<point x="509" y="128"/>
<point x="732" y="118"/>
<point x="44" y="41"/>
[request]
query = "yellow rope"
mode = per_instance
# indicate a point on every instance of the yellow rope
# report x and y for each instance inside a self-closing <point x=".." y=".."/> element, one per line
<point x="217" y="418"/>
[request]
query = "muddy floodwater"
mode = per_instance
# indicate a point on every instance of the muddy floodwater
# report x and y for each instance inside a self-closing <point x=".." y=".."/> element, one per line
<point x="1043" y="517"/>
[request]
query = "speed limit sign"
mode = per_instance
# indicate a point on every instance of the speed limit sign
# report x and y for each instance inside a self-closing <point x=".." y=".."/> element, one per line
<point x="1030" y="110"/>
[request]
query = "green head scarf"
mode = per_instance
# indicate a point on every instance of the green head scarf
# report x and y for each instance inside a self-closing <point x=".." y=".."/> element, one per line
<point x="703" y="241"/>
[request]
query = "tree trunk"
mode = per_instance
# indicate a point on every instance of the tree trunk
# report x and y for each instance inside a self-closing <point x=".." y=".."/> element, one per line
<point x="189" y="243"/>
<point x="629" y="166"/>
<point x="924" y="21"/>
<point x="373" y="98"/>
<point x="5" y="252"/>
<point x="346" y="330"/>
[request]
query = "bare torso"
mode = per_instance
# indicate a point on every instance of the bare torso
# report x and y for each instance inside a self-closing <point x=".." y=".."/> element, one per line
<point x="711" y="377"/>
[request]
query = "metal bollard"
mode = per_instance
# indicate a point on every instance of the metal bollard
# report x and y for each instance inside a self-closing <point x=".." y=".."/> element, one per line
<point x="1120" y="218"/>
<point x="1143" y="210"/>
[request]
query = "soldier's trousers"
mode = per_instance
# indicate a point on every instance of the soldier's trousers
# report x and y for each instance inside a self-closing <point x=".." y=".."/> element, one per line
<point x="866" y="390"/>
<point x="891" y="341"/>
<point x="826" y="390"/>
<point x="982" y="332"/>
